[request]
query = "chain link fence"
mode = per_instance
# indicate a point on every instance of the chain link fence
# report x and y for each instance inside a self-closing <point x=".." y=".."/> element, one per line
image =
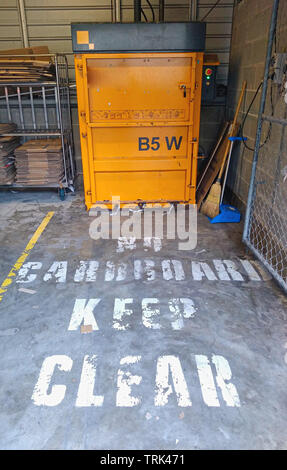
<point x="266" y="218"/>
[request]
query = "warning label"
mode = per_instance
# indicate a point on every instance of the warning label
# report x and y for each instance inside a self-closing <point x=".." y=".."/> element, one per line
<point x="140" y="114"/>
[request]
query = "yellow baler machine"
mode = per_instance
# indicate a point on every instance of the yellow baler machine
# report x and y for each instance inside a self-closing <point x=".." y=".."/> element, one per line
<point x="139" y="98"/>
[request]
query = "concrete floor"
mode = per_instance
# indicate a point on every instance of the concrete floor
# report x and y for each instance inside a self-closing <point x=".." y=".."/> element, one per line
<point x="204" y="372"/>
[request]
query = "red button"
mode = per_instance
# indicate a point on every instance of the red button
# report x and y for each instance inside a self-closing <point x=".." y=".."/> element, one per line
<point x="208" y="71"/>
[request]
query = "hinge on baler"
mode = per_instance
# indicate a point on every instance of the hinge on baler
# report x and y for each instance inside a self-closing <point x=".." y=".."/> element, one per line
<point x="80" y="66"/>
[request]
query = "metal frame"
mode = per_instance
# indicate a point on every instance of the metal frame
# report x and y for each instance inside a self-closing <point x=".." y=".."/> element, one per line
<point x="47" y="104"/>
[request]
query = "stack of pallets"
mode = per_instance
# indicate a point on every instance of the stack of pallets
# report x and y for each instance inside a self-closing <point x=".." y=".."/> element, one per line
<point x="7" y="158"/>
<point x="39" y="162"/>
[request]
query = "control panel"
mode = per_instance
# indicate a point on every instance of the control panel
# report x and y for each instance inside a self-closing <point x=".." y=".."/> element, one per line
<point x="209" y="83"/>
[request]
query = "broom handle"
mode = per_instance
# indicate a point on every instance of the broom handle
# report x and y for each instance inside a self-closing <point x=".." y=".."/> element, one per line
<point x="224" y="160"/>
<point x="225" y="176"/>
<point x="232" y="129"/>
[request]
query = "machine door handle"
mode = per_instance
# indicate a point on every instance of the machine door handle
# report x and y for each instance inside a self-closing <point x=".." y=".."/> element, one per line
<point x="183" y="87"/>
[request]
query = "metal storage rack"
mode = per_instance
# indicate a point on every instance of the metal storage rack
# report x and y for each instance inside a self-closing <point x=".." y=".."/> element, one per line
<point x="42" y="109"/>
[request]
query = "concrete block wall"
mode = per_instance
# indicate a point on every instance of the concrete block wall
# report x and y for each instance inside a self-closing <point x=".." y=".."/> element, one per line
<point x="247" y="57"/>
<point x="250" y="30"/>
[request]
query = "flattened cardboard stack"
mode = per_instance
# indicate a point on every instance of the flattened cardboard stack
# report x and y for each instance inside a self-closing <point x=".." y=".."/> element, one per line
<point x="7" y="158"/>
<point x="25" y="68"/>
<point x="16" y="70"/>
<point x="39" y="162"/>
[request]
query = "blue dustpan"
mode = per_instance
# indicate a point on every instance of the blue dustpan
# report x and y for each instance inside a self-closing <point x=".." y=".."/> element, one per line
<point x="227" y="214"/>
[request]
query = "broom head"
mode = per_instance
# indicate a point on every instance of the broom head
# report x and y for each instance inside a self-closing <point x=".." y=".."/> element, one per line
<point x="210" y="207"/>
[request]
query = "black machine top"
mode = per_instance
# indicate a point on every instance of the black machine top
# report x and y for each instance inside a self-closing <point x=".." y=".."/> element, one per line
<point x="138" y="37"/>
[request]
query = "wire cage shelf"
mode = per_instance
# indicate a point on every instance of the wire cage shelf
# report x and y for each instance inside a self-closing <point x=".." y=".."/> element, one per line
<point x="40" y="108"/>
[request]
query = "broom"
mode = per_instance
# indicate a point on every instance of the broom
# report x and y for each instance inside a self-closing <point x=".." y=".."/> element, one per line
<point x="210" y="206"/>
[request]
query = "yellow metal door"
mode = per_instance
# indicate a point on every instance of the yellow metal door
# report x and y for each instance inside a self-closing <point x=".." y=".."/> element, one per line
<point x="139" y="122"/>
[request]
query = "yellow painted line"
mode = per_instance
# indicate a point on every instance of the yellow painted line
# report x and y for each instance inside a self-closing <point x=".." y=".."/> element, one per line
<point x="32" y="242"/>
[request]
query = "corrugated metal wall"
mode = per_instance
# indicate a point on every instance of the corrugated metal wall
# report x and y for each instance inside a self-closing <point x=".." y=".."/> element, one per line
<point x="10" y="30"/>
<point x="48" y="23"/>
